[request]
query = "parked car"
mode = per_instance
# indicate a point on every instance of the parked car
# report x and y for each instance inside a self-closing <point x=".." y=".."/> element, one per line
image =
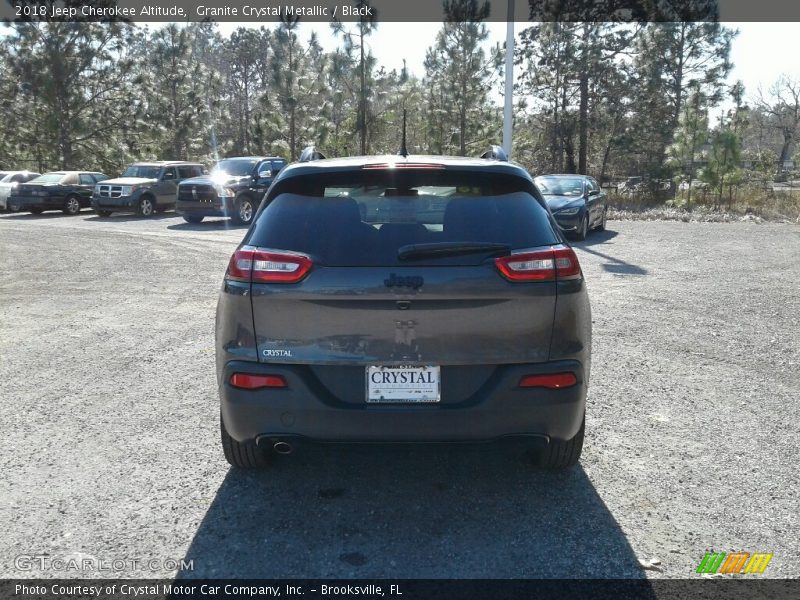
<point x="696" y="184"/>
<point x="355" y="311"/>
<point x="234" y="189"/>
<point x="576" y="201"/>
<point x="143" y="188"/>
<point x="10" y="180"/>
<point x="632" y="185"/>
<point x="67" y="191"/>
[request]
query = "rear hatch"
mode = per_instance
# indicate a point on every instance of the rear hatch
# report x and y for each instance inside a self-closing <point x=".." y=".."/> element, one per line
<point x="400" y="267"/>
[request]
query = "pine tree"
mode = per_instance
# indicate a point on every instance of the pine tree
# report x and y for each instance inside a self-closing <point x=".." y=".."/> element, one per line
<point x="245" y="55"/>
<point x="298" y="112"/>
<point x="458" y="76"/>
<point x="355" y="43"/>
<point x="691" y="135"/>
<point x="182" y="91"/>
<point x="671" y="59"/>
<point x="73" y="79"/>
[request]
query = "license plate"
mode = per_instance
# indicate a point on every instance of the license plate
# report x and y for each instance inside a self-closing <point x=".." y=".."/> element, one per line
<point x="403" y="384"/>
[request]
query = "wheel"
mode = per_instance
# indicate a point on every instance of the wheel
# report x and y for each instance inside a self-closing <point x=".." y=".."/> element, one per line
<point x="602" y="225"/>
<point x="145" y="208"/>
<point x="245" y="209"/>
<point x="193" y="218"/>
<point x="562" y="455"/>
<point x="103" y="213"/>
<point x="72" y="205"/>
<point x="36" y="211"/>
<point x="241" y="455"/>
<point x="583" y="230"/>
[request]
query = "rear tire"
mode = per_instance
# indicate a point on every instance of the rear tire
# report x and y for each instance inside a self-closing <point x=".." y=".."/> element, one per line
<point x="245" y="210"/>
<point x="103" y="213"/>
<point x="193" y="218"/>
<point x="241" y="455"/>
<point x="145" y="207"/>
<point x="72" y="206"/>
<point x="562" y="455"/>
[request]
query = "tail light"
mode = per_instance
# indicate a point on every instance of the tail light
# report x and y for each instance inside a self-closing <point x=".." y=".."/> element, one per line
<point x="247" y="381"/>
<point x="268" y="266"/>
<point x="556" y="262"/>
<point x="553" y="381"/>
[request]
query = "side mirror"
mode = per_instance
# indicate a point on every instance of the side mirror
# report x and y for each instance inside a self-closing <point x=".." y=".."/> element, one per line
<point x="594" y="193"/>
<point x="264" y="174"/>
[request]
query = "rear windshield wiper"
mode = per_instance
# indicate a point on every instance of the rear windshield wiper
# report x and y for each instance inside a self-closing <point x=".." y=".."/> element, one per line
<point x="411" y="251"/>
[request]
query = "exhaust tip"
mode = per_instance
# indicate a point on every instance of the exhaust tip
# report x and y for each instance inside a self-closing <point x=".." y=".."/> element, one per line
<point x="281" y="447"/>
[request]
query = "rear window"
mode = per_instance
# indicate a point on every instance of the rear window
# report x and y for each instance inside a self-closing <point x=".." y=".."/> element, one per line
<point x="364" y="219"/>
<point x="189" y="171"/>
<point x="54" y="177"/>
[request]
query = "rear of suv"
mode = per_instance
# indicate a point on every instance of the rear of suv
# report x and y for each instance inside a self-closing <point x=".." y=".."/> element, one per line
<point x="143" y="188"/>
<point x="403" y="299"/>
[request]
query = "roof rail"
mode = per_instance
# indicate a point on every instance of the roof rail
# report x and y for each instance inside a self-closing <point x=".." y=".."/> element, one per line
<point x="311" y="153"/>
<point x="495" y="153"/>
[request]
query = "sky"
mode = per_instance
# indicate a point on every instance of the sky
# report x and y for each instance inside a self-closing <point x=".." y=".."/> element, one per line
<point x="760" y="53"/>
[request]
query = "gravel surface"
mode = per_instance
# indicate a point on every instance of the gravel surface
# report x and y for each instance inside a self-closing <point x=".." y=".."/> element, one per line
<point x="111" y="444"/>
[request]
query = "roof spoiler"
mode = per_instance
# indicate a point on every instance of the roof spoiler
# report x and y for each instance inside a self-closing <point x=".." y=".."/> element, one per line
<point x="311" y="153"/>
<point x="495" y="153"/>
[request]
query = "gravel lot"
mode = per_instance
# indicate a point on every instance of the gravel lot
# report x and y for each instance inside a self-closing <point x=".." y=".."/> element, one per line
<point x="111" y="449"/>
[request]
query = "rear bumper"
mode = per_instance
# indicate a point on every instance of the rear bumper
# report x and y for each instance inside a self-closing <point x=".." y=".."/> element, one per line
<point x="23" y="203"/>
<point x="500" y="408"/>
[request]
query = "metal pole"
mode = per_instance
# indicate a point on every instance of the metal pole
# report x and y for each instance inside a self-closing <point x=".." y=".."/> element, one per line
<point x="508" y="112"/>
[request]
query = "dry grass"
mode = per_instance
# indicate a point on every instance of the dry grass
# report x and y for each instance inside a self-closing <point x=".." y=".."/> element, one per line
<point x="747" y="203"/>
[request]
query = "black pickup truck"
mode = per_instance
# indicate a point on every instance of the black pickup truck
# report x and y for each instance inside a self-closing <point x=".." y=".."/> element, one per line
<point x="234" y="189"/>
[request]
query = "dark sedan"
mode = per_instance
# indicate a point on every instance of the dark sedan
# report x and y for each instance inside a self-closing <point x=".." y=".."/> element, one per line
<point x="576" y="201"/>
<point x="67" y="191"/>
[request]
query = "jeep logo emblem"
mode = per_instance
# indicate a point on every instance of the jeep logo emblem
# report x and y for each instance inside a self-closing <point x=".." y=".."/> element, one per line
<point x="414" y="282"/>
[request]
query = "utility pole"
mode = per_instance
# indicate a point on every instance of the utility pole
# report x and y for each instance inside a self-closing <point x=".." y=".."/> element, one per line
<point x="508" y="115"/>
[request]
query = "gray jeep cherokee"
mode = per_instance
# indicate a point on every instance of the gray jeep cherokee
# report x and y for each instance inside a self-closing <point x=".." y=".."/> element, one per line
<point x="403" y="299"/>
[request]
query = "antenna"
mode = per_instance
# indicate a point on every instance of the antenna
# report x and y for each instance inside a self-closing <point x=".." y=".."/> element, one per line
<point x="403" y="150"/>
